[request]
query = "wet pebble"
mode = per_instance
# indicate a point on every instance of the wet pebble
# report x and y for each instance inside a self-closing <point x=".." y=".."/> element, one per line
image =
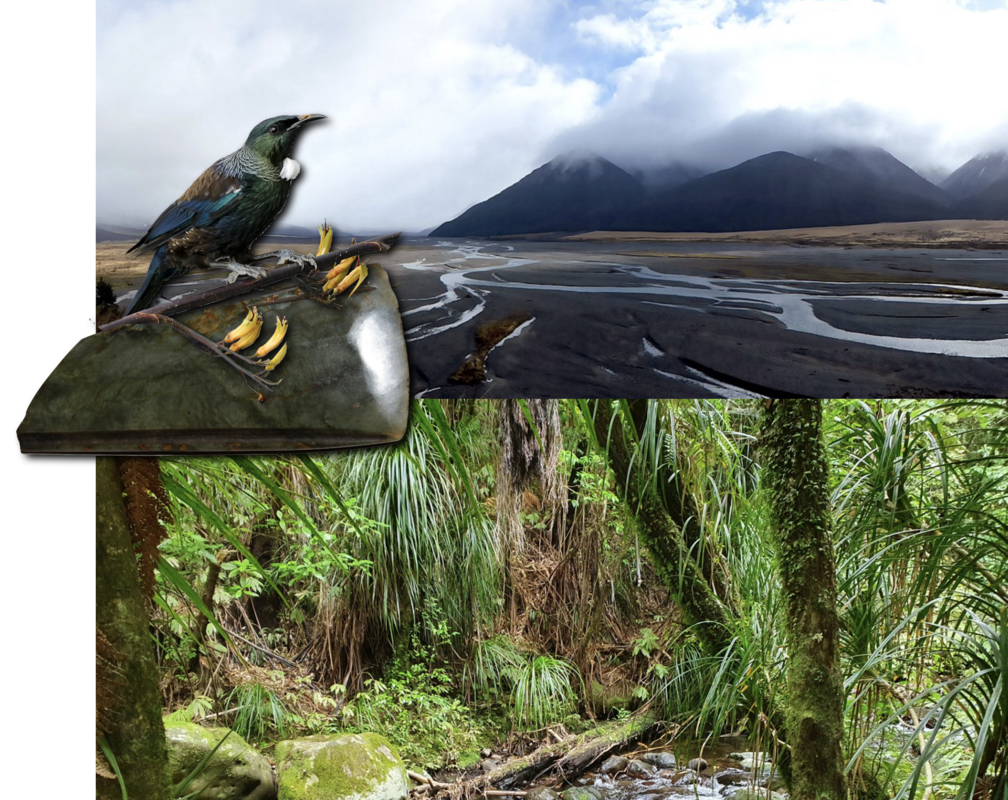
<point x="660" y="759"/>
<point x="640" y="769"/>
<point x="748" y="760"/>
<point x="685" y="777"/>
<point x="613" y="764"/>
<point x="697" y="764"/>
<point x="733" y="777"/>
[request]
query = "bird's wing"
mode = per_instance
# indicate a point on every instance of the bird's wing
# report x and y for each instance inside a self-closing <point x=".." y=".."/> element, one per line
<point x="204" y="203"/>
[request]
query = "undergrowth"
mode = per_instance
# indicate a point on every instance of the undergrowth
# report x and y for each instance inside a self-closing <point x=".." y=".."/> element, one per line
<point x="415" y="705"/>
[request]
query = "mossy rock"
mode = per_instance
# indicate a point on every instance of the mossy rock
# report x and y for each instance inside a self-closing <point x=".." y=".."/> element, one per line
<point x="237" y="771"/>
<point x="361" y="766"/>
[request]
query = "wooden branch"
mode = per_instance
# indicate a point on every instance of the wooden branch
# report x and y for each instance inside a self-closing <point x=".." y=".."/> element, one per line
<point x="222" y="713"/>
<point x="416" y="776"/>
<point x="237" y="289"/>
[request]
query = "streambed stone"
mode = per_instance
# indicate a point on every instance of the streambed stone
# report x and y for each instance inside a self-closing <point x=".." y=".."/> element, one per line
<point x="613" y="764"/>
<point x="640" y="769"/>
<point x="660" y="759"/>
<point x="236" y="772"/>
<point x="361" y="766"/>
<point x="749" y="759"/>
<point x="733" y="777"/>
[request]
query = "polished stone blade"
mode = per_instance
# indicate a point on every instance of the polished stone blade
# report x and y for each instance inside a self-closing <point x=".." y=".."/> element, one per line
<point x="147" y="389"/>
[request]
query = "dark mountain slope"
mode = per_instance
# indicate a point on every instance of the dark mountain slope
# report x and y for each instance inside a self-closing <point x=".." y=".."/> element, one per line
<point x="574" y="192"/>
<point x="777" y="190"/>
<point x="874" y="163"/>
<point x="977" y="174"/>
<point x="988" y="203"/>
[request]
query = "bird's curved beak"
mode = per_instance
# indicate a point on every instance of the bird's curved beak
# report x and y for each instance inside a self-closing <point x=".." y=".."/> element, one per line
<point x="305" y="118"/>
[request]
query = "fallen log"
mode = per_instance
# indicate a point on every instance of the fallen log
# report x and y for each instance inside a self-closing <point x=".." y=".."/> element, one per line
<point x="566" y="760"/>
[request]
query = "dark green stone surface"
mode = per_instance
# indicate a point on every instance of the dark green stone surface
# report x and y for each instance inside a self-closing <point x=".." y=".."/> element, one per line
<point x="147" y="389"/>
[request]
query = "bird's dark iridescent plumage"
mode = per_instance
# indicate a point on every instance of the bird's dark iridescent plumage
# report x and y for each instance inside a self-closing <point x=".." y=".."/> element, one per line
<point x="226" y="209"/>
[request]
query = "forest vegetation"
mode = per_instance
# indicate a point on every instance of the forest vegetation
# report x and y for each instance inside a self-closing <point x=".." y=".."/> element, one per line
<point x="828" y="579"/>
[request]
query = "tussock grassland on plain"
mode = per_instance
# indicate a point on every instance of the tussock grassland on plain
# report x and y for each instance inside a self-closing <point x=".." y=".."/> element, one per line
<point x="957" y="233"/>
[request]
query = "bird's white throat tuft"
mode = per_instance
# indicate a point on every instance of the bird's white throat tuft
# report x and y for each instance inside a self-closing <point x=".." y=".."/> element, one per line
<point x="290" y="169"/>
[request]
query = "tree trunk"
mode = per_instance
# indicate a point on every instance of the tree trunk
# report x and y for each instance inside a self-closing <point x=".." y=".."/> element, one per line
<point x="136" y="733"/>
<point x="795" y="477"/>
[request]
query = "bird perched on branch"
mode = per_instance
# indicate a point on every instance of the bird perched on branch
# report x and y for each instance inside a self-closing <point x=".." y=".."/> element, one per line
<point x="226" y="209"/>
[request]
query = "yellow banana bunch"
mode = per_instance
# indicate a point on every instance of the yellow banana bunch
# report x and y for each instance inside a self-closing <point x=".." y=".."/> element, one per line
<point x="250" y="335"/>
<point x="272" y="363"/>
<point x="325" y="238"/>
<point x="242" y="329"/>
<point x="278" y="334"/>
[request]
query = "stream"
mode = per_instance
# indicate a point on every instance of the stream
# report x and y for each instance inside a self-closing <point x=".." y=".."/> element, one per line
<point x="724" y="769"/>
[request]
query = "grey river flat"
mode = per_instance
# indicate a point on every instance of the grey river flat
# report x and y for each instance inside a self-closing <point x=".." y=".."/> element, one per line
<point x="647" y="319"/>
<point x="147" y="389"/>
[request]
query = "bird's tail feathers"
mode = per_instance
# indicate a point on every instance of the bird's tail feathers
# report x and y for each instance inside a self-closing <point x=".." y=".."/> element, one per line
<point x="158" y="273"/>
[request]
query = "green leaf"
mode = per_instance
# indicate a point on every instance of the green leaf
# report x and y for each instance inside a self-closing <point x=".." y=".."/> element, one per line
<point x="103" y="743"/>
<point x="174" y="577"/>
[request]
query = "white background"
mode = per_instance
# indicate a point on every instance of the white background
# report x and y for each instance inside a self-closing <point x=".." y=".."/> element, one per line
<point x="47" y="556"/>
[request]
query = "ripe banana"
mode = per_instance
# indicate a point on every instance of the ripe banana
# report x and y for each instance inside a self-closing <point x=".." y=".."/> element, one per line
<point x="250" y="335"/>
<point x="242" y="329"/>
<point x="272" y="363"/>
<point x="278" y="334"/>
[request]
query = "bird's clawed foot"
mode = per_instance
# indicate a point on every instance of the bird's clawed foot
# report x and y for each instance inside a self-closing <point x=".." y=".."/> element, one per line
<point x="288" y="256"/>
<point x="237" y="268"/>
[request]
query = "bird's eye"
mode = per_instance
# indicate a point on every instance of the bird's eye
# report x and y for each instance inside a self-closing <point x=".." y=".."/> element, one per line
<point x="274" y="129"/>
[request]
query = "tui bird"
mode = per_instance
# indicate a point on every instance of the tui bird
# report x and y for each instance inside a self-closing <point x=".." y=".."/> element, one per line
<point x="226" y="209"/>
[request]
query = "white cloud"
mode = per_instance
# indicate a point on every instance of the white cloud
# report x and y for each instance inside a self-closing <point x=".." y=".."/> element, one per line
<point x="430" y="107"/>
<point x="438" y="105"/>
<point x="607" y="30"/>
<point x="915" y="76"/>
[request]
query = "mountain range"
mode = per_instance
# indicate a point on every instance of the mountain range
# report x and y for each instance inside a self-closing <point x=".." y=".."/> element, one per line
<point x="833" y="186"/>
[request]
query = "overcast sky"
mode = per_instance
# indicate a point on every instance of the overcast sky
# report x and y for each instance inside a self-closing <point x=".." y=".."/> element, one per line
<point x="435" y="106"/>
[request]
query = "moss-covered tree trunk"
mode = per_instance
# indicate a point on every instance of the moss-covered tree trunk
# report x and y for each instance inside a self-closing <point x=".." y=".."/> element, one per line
<point x="795" y="477"/>
<point x="136" y="733"/>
